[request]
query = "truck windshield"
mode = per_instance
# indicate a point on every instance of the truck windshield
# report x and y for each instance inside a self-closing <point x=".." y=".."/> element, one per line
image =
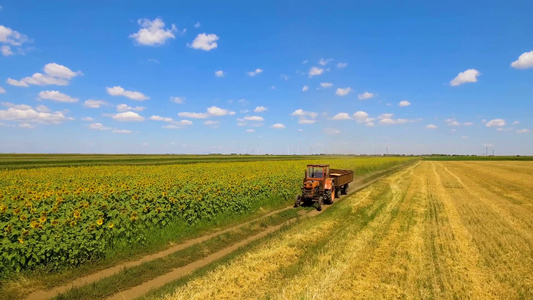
<point x="315" y="172"/>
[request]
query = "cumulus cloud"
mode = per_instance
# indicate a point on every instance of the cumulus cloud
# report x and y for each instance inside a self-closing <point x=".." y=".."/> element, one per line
<point x="250" y="130"/>
<point x="305" y="88"/>
<point x="219" y="73"/>
<point x="6" y="50"/>
<point x="121" y="131"/>
<point x="315" y="71"/>
<point x="56" y="96"/>
<point x="98" y="126"/>
<point x="365" y="95"/>
<point x="404" y="103"/>
<point x="326" y="85"/>
<point x="260" y="109"/>
<point x="87" y="119"/>
<point x="254" y="118"/>
<point x="452" y="122"/>
<point x="342" y="65"/>
<point x="212" y="111"/>
<point x="125" y="107"/>
<point x="331" y="131"/>
<point x="495" y="123"/>
<point x="524" y="61"/>
<point x="25" y="114"/>
<point x="341" y="116"/>
<point x="211" y="123"/>
<point x="522" y="130"/>
<point x="253" y="73"/>
<point x="386" y="119"/>
<point x="158" y="118"/>
<point x="54" y="74"/>
<point x="91" y="103"/>
<point x="205" y="42"/>
<point x="128" y="116"/>
<point x="2" y="91"/>
<point x="197" y="25"/>
<point x="11" y="37"/>
<point x="324" y="62"/>
<point x="304" y="117"/>
<point x="343" y="91"/>
<point x="468" y="123"/>
<point x="278" y="126"/>
<point x="178" y="124"/>
<point x="469" y="75"/>
<point x="153" y="33"/>
<point x="119" y="91"/>
<point x="431" y="126"/>
<point x="178" y="100"/>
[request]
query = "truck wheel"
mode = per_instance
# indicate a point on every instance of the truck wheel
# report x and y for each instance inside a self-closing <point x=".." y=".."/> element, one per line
<point x="298" y="201"/>
<point x="329" y="196"/>
<point x="337" y="192"/>
<point x="345" y="189"/>
<point x="320" y="202"/>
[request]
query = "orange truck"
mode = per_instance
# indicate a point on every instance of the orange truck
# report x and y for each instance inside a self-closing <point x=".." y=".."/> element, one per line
<point x="322" y="185"/>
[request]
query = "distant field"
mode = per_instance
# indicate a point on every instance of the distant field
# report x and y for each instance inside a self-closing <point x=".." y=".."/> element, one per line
<point x="480" y="158"/>
<point x="18" y="161"/>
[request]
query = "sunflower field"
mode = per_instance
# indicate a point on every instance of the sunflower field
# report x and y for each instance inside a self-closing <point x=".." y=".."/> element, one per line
<point x="68" y="215"/>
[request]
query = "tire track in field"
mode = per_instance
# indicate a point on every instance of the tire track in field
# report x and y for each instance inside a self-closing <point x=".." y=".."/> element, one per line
<point x="358" y="184"/>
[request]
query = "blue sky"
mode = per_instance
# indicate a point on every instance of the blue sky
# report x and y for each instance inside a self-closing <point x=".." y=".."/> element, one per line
<point x="266" y="77"/>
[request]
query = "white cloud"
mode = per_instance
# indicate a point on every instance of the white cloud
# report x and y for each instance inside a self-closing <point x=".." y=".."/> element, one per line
<point x="197" y="25"/>
<point x="178" y="100"/>
<point x="522" y="130"/>
<point x="211" y="123"/>
<point x="468" y="123"/>
<point x="366" y="95"/>
<point x="431" y="126"/>
<point x="516" y="122"/>
<point x="360" y="116"/>
<point x="212" y="111"/>
<point x="219" y="73"/>
<point x="495" y="123"/>
<point x="331" y="131"/>
<point x="404" y="103"/>
<point x="122" y="131"/>
<point x="26" y="125"/>
<point x="98" y="126"/>
<point x="2" y="91"/>
<point x="178" y="124"/>
<point x="91" y="103"/>
<point x="87" y="119"/>
<point x="6" y="50"/>
<point x="254" y="118"/>
<point x="525" y="61"/>
<point x="158" y="118"/>
<point x="205" y="42"/>
<point x="153" y="33"/>
<point x="119" y="91"/>
<point x="469" y="75"/>
<point x="314" y="71"/>
<point x="260" y="109"/>
<point x="343" y="91"/>
<point x="12" y="37"/>
<point x="253" y="73"/>
<point x="341" y="116"/>
<point x="305" y="117"/>
<point x="306" y="121"/>
<point x="56" y="96"/>
<point x="250" y="130"/>
<point x="26" y="114"/>
<point x="127" y="116"/>
<point x="386" y="119"/>
<point x="284" y="77"/>
<point x="55" y="74"/>
<point x="278" y="126"/>
<point x="324" y="62"/>
<point x="305" y="88"/>
<point x="125" y="107"/>
<point x="193" y="115"/>
<point x="452" y="122"/>
<point x="326" y="84"/>
<point x="342" y="65"/>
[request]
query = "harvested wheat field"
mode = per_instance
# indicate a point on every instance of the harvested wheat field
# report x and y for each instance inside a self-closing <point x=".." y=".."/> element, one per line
<point x="432" y="230"/>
